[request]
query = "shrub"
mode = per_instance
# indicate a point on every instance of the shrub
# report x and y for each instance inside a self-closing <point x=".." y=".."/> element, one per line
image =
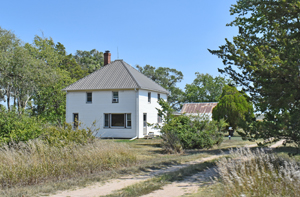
<point x="15" y="128"/>
<point x="192" y="132"/>
<point x="257" y="173"/>
<point x="18" y="127"/>
<point x="66" y="135"/>
<point x="187" y="132"/>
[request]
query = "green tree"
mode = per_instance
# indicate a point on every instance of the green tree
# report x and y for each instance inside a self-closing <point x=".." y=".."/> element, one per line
<point x="234" y="108"/>
<point x="205" y="88"/>
<point x="264" y="59"/>
<point x="49" y="101"/>
<point x="89" y="61"/>
<point x="21" y="74"/>
<point x="168" y="79"/>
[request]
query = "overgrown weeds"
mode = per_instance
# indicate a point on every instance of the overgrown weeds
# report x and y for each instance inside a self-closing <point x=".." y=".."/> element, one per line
<point x="36" y="161"/>
<point x="258" y="173"/>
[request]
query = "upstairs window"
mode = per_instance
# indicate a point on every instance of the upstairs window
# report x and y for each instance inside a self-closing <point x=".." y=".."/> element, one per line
<point x="89" y="97"/>
<point x="149" y="97"/>
<point x="115" y="97"/>
<point x="117" y="120"/>
<point x="158" y="96"/>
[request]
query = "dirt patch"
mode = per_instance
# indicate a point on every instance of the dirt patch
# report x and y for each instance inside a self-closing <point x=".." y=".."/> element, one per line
<point x="187" y="186"/>
<point x="117" y="184"/>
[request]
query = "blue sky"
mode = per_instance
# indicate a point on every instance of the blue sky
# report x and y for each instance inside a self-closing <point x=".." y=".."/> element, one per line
<point x="162" y="33"/>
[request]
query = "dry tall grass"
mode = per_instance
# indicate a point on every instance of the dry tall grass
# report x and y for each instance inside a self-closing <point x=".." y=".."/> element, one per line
<point x="36" y="161"/>
<point x="258" y="173"/>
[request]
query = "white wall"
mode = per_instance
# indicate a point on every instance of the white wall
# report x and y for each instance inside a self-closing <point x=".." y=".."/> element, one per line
<point x="150" y="109"/>
<point x="102" y="103"/>
<point x="130" y="101"/>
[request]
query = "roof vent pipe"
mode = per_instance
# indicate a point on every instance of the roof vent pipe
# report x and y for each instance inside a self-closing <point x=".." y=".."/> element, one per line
<point x="107" y="57"/>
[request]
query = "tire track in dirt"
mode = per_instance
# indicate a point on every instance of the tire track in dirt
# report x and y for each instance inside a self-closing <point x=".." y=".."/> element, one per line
<point x="99" y="189"/>
<point x="192" y="183"/>
<point x="188" y="185"/>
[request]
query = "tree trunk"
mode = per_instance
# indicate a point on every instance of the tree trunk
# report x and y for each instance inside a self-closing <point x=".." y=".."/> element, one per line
<point x="8" y="98"/>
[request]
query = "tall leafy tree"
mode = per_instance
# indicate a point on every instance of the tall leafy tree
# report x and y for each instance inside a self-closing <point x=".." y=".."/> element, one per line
<point x="168" y="79"/>
<point x="205" y="88"/>
<point x="264" y="59"/>
<point x="234" y="108"/>
<point x="89" y="60"/>
<point x="20" y="73"/>
<point x="8" y="42"/>
<point x="49" y="101"/>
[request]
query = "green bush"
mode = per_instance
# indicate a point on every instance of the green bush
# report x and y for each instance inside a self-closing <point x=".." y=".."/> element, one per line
<point x="66" y="135"/>
<point x="15" y="128"/>
<point x="18" y="127"/>
<point x="192" y="132"/>
<point x="188" y="132"/>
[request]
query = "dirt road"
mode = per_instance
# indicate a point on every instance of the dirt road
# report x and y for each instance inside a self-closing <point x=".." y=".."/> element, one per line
<point x="188" y="185"/>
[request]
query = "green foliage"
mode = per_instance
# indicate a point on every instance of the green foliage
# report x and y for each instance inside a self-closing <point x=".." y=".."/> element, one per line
<point x="89" y="61"/>
<point x="16" y="127"/>
<point x="195" y="131"/>
<point x="234" y="108"/>
<point x="49" y="102"/>
<point x="21" y="73"/>
<point x="66" y="135"/>
<point x="188" y="132"/>
<point x="205" y="88"/>
<point x="264" y="59"/>
<point x="167" y="78"/>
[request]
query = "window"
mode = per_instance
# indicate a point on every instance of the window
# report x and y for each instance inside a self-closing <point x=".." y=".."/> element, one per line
<point x="159" y="120"/>
<point x="115" y="98"/>
<point x="89" y="97"/>
<point x="158" y="96"/>
<point x="75" y="120"/>
<point x="106" y="120"/>
<point x="149" y="97"/>
<point x="145" y="119"/>
<point x="117" y="120"/>
<point x="128" y="120"/>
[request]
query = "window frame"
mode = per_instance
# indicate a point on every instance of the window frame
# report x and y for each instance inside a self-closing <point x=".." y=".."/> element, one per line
<point x="87" y="101"/>
<point x="108" y="121"/>
<point x="149" y="97"/>
<point x="114" y="97"/>
<point x="158" y="96"/>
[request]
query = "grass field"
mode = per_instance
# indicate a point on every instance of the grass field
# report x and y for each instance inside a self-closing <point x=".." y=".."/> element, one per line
<point x="274" y="173"/>
<point x="148" y="154"/>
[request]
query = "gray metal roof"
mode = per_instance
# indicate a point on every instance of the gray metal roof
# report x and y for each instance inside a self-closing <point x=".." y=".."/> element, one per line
<point x="198" y="107"/>
<point x="116" y="75"/>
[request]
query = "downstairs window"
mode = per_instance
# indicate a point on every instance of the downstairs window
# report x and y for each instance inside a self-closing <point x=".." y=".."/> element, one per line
<point x="117" y="121"/>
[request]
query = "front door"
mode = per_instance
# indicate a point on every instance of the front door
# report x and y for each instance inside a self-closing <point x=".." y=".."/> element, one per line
<point x="145" y="123"/>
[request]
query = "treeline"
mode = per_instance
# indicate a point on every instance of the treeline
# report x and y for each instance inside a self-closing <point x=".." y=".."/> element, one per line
<point x="33" y="75"/>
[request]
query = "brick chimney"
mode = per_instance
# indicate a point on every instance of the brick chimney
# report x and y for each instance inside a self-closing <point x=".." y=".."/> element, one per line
<point x="107" y="57"/>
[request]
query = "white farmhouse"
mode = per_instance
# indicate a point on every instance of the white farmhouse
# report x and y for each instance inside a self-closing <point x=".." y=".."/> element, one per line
<point x="118" y="97"/>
